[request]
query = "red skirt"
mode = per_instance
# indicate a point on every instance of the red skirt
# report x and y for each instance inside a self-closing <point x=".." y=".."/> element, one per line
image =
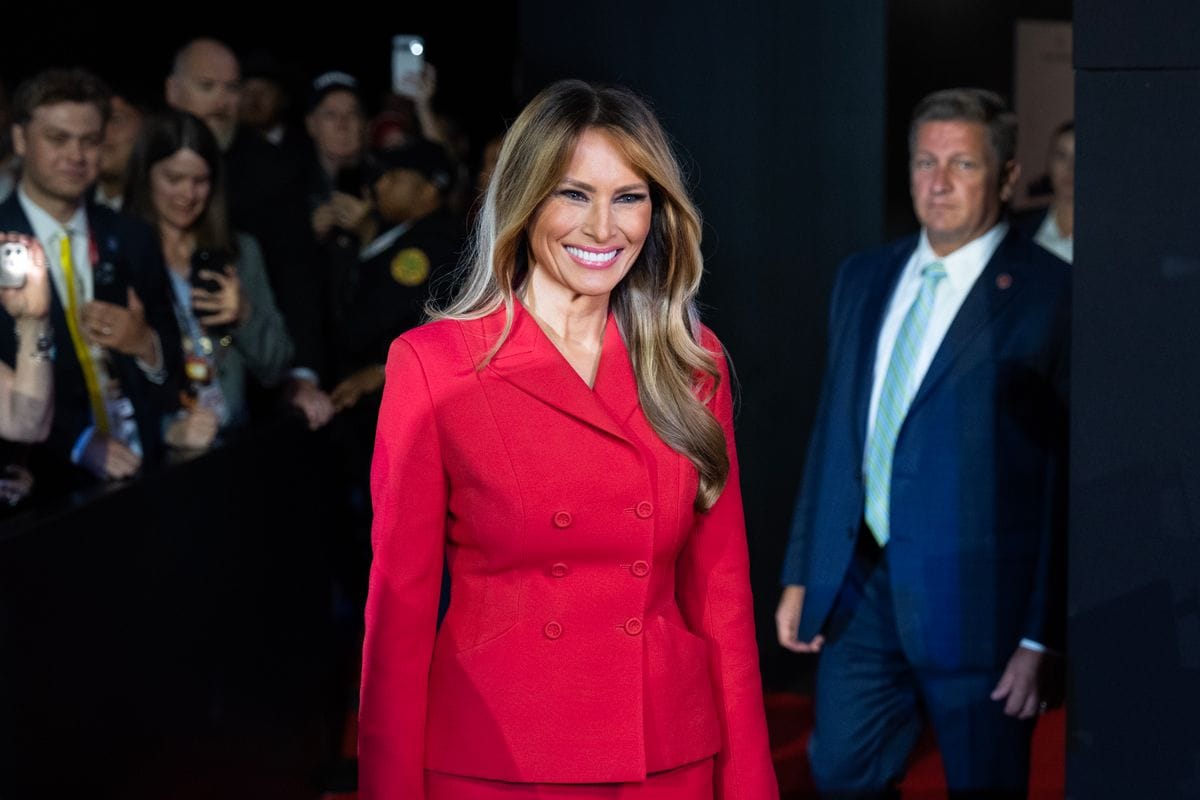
<point x="689" y="782"/>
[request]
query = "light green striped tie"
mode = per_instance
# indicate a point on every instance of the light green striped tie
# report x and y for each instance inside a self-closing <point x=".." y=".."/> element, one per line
<point x="894" y="400"/>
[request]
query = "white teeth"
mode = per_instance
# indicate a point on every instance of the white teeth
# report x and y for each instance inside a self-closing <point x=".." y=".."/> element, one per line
<point x="587" y="255"/>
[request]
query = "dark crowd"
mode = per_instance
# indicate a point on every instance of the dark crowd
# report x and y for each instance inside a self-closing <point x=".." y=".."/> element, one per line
<point x="230" y="253"/>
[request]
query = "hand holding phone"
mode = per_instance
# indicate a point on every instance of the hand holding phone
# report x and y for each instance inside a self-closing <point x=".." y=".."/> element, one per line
<point x="209" y="276"/>
<point x="408" y="64"/>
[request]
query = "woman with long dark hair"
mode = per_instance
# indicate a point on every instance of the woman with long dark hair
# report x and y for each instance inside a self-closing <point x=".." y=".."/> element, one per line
<point x="230" y="325"/>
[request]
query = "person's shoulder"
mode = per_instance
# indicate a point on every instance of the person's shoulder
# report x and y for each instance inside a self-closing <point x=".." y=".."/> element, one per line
<point x="441" y="338"/>
<point x="247" y="246"/>
<point x="710" y="341"/>
<point x="1043" y="266"/>
<point x="883" y="254"/>
<point x="10" y="209"/>
<point x="120" y="230"/>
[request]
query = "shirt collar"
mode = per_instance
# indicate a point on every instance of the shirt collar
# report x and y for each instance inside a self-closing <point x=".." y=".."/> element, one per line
<point x="45" y="227"/>
<point x="964" y="264"/>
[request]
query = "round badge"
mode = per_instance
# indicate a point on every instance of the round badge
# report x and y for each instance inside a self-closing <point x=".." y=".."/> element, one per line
<point x="410" y="267"/>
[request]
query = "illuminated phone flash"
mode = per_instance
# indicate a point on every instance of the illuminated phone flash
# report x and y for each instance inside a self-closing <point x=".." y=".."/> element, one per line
<point x="15" y="263"/>
<point x="416" y="48"/>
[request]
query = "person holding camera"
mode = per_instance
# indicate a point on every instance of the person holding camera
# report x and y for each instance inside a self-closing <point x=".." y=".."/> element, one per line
<point x="229" y="324"/>
<point x="27" y="385"/>
<point x="114" y="340"/>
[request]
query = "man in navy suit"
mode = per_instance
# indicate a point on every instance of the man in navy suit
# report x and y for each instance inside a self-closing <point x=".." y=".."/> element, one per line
<point x="116" y="354"/>
<point x="926" y="558"/>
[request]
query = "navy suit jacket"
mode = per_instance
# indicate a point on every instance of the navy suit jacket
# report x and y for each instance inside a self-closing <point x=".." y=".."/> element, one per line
<point x="978" y="505"/>
<point x="126" y="254"/>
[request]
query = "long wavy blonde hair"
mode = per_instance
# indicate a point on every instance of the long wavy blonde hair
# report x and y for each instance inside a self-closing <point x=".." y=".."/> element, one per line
<point x="655" y="305"/>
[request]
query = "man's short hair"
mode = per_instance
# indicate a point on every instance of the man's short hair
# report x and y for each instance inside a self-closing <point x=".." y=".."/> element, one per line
<point x="970" y="105"/>
<point x="53" y="86"/>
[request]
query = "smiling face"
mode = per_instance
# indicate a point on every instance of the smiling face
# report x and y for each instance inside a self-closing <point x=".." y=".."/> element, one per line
<point x="179" y="189"/>
<point x="586" y="235"/>
<point x="956" y="187"/>
<point x="60" y="146"/>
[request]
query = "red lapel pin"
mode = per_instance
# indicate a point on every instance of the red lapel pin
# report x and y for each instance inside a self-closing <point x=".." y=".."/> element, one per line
<point x="1003" y="280"/>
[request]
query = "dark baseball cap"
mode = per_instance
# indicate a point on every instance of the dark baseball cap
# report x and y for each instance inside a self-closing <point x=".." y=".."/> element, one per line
<point x="422" y="156"/>
<point x="333" y="81"/>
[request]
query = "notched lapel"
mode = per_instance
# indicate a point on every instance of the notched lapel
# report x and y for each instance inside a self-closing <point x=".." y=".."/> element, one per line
<point x="1000" y="281"/>
<point x="529" y="361"/>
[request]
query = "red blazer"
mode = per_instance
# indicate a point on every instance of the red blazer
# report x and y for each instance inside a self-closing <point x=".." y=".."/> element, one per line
<point x="599" y="629"/>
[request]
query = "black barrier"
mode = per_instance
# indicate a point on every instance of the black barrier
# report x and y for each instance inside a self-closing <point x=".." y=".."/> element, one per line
<point x="173" y="637"/>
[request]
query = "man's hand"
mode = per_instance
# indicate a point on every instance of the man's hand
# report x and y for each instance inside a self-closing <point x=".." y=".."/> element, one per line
<point x="312" y="402"/>
<point x="108" y="459"/>
<point x="1030" y="683"/>
<point x="787" y="622"/>
<point x="363" y="382"/>
<point x="120" y="328"/>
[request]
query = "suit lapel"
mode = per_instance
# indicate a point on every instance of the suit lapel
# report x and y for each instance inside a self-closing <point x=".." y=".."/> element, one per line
<point x="1000" y="281"/>
<point x="529" y="361"/>
<point x="877" y="295"/>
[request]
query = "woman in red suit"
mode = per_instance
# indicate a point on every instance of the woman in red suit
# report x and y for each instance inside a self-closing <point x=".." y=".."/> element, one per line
<point x="562" y="435"/>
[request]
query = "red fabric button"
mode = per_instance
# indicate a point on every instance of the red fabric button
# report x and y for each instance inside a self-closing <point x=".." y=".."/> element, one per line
<point x="644" y="509"/>
<point x="562" y="519"/>
<point x="552" y="630"/>
<point x="559" y="570"/>
<point x="633" y="626"/>
<point x="640" y="569"/>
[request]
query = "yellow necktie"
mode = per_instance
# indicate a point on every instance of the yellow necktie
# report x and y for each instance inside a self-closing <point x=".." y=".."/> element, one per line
<point x="82" y="351"/>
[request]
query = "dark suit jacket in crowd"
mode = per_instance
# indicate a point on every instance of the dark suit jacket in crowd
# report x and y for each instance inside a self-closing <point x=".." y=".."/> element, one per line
<point x="978" y="502"/>
<point x="127" y="256"/>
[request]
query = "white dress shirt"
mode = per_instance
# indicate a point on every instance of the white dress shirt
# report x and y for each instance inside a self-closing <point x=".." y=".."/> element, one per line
<point x="50" y="233"/>
<point x="963" y="268"/>
<point x="1051" y="237"/>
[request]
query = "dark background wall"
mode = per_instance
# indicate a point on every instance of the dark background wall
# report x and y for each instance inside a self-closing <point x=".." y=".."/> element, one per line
<point x="1135" y="486"/>
<point x="777" y="110"/>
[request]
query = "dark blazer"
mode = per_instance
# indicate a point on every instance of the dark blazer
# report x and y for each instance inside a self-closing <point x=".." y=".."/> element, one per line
<point x="126" y="254"/>
<point x="978" y="505"/>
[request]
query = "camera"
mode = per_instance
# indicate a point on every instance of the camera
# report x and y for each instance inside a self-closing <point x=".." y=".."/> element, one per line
<point x="15" y="263"/>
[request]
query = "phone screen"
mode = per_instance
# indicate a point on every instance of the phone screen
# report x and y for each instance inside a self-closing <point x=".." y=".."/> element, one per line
<point x="408" y="58"/>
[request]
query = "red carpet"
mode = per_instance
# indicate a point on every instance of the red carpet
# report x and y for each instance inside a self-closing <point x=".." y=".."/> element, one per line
<point x="789" y="717"/>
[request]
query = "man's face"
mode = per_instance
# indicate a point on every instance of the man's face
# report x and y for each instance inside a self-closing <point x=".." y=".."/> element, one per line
<point x="208" y="85"/>
<point x="124" y="125"/>
<point x="261" y="103"/>
<point x="337" y="127"/>
<point x="955" y="182"/>
<point x="60" y="148"/>
<point x="399" y="193"/>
